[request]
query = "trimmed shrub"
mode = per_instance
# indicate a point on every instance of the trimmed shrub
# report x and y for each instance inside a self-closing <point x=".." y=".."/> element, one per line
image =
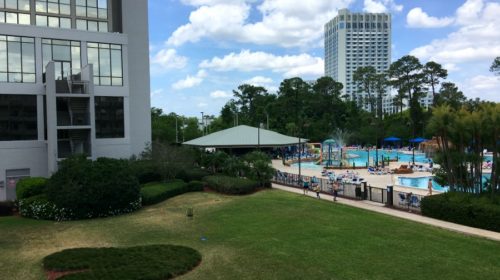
<point x="196" y="186"/>
<point x="88" y="189"/>
<point x="153" y="262"/>
<point x="195" y="174"/>
<point x="231" y="185"/>
<point x="468" y="209"/>
<point x="6" y="208"/>
<point x="145" y="171"/>
<point x="40" y="208"/>
<point x="157" y="192"/>
<point x="30" y="186"/>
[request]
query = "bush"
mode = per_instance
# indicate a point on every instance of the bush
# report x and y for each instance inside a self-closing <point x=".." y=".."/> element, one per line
<point x="196" y="186"/>
<point x="40" y="208"/>
<point x="231" y="185"/>
<point x="145" y="171"/>
<point x="6" y="208"/>
<point x="31" y="186"/>
<point x="141" y="262"/>
<point x="189" y="175"/>
<point x="468" y="209"/>
<point x="157" y="192"/>
<point x="88" y="189"/>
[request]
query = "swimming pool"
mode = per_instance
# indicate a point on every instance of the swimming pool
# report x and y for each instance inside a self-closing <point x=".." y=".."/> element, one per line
<point x="420" y="183"/>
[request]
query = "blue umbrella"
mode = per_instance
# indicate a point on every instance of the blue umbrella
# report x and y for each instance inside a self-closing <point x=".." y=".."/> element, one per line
<point x="392" y="139"/>
<point x="418" y="140"/>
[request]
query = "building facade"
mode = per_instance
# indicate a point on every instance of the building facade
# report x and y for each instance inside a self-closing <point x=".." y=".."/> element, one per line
<point x="74" y="79"/>
<point x="355" y="40"/>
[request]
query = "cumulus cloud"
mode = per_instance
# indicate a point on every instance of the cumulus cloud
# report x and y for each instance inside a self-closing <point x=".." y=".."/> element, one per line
<point x="287" y="23"/>
<point x="156" y="92"/>
<point x="220" y="94"/>
<point x="469" y="12"/>
<point x="190" y="81"/>
<point x="419" y="19"/>
<point x="478" y="41"/>
<point x="381" y="6"/>
<point x="168" y="59"/>
<point x="247" y="61"/>
<point x="259" y="81"/>
<point x="483" y="87"/>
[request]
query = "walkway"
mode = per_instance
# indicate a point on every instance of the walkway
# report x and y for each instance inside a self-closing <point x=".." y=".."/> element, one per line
<point x="380" y="208"/>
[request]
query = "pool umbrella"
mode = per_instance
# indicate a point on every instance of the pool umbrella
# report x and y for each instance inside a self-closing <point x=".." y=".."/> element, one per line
<point x="416" y="140"/>
<point x="392" y="139"/>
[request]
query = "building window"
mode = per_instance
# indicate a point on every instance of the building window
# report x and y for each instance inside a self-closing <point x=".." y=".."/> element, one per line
<point x="60" y="7"/>
<point x="107" y="61"/>
<point x="109" y="117"/>
<point x="49" y="21"/>
<point x="92" y="25"/>
<point x="15" y="18"/>
<point x="18" y="117"/>
<point x="20" y="5"/>
<point x="17" y="59"/>
<point x="92" y="9"/>
<point x="66" y="52"/>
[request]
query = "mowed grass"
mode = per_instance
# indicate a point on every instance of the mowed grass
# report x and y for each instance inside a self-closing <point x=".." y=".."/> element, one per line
<point x="267" y="235"/>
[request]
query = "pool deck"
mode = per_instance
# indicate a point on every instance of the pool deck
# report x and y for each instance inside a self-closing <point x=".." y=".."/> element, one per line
<point x="380" y="208"/>
<point x="380" y="181"/>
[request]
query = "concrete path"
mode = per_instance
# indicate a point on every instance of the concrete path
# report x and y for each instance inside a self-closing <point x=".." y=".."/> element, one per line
<point x="380" y="208"/>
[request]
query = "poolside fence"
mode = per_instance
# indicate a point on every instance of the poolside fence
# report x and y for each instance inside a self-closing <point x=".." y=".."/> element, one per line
<point x="356" y="191"/>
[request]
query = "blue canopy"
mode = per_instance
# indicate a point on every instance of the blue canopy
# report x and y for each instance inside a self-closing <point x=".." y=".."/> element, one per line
<point x="392" y="139"/>
<point x="418" y="140"/>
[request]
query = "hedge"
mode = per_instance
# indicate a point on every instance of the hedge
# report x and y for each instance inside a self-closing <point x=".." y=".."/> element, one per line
<point x="231" y="185"/>
<point x="153" y="262"/>
<point x="156" y="192"/>
<point x="195" y="174"/>
<point x="145" y="171"/>
<point x="196" y="186"/>
<point x="480" y="211"/>
<point x="30" y="186"/>
<point x="40" y="208"/>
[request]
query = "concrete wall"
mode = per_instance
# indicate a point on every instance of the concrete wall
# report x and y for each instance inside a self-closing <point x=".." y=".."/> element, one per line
<point x="135" y="24"/>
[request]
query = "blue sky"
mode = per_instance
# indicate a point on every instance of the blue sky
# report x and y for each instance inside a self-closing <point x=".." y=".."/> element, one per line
<point x="200" y="50"/>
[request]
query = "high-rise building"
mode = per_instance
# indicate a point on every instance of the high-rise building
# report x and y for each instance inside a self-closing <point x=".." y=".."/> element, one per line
<point x="354" y="40"/>
<point x="74" y="79"/>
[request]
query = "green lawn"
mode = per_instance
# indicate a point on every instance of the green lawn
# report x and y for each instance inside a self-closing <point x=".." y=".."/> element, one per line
<point x="266" y="235"/>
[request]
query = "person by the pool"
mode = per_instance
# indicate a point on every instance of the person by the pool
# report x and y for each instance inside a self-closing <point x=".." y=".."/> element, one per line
<point x="429" y="186"/>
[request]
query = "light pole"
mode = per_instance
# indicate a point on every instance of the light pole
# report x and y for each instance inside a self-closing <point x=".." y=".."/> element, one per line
<point x="202" y="124"/>
<point x="176" y="131"/>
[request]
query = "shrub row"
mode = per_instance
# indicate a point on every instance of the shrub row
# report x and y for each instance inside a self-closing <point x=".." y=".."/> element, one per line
<point x="156" y="192"/>
<point x="231" y="185"/>
<point x="141" y="262"/>
<point x="195" y="174"/>
<point x="31" y="186"/>
<point x="462" y="208"/>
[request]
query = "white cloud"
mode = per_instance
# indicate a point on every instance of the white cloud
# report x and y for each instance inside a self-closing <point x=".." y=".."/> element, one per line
<point x="469" y="12"/>
<point x="168" y="59"/>
<point x="220" y="94"/>
<point x="288" y="65"/>
<point x="202" y="105"/>
<point x="478" y="41"/>
<point x="418" y="18"/>
<point x="259" y="81"/>
<point x="156" y="92"/>
<point x="190" y="81"/>
<point x="287" y="23"/>
<point x="483" y="87"/>
<point x="381" y="6"/>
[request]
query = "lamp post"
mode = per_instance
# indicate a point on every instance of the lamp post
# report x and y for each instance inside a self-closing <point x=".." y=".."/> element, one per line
<point x="176" y="131"/>
<point x="202" y="124"/>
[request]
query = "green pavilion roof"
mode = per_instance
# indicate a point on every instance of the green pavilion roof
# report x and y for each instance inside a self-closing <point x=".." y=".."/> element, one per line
<point x="244" y="136"/>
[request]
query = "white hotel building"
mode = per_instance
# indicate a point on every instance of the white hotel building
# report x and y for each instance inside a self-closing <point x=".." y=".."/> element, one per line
<point x="74" y="78"/>
<point x="354" y="40"/>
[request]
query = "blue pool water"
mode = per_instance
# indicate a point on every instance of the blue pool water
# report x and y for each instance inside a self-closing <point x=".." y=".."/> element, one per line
<point x="421" y="182"/>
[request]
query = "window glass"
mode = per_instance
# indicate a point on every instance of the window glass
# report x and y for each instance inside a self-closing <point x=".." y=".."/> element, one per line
<point x="61" y="50"/>
<point x="41" y="20"/>
<point x="107" y="62"/>
<point x="11" y="4"/>
<point x="65" y="22"/>
<point x="53" y="21"/>
<point x="18" y="117"/>
<point x="92" y="26"/>
<point x="17" y="59"/>
<point x="11" y="18"/>
<point x="109" y="117"/>
<point x="81" y="24"/>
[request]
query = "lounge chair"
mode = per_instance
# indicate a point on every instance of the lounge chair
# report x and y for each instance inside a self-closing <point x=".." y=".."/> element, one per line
<point x="402" y="200"/>
<point x="415" y="201"/>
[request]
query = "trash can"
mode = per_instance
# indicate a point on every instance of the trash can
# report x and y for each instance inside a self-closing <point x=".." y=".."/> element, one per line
<point x="357" y="191"/>
<point x="390" y="195"/>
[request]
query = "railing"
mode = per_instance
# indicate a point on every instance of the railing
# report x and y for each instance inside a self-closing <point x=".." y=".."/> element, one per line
<point x="346" y="190"/>
<point x="359" y="191"/>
